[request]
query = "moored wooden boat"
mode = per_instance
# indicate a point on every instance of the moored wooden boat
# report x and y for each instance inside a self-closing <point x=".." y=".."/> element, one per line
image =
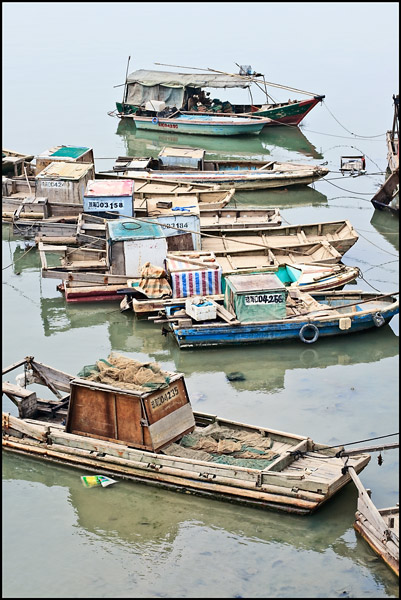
<point x="259" y="311"/>
<point x="152" y="436"/>
<point x="339" y="234"/>
<point x="387" y="197"/>
<point x="184" y="90"/>
<point x="16" y="163"/>
<point x="219" y="124"/>
<point x="208" y="196"/>
<point x="231" y="219"/>
<point x="190" y="165"/>
<point x="307" y="278"/>
<point x="379" y="527"/>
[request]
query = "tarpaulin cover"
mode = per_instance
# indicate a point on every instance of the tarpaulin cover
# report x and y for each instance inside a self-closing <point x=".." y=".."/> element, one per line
<point x="153" y="282"/>
<point x="195" y="80"/>
<point x="196" y="283"/>
<point x="144" y="85"/>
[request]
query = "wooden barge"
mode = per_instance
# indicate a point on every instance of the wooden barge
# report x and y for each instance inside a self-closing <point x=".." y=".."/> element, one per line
<point x="151" y="435"/>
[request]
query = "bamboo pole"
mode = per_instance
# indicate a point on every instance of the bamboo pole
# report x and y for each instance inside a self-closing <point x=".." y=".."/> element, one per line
<point x="248" y="78"/>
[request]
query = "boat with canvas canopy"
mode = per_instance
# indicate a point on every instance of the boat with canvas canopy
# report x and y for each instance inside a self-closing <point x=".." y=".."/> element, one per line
<point x="154" y="91"/>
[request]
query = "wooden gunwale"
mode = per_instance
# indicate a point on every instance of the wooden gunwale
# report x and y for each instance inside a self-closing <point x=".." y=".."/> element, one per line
<point x="301" y="317"/>
<point x="169" y="484"/>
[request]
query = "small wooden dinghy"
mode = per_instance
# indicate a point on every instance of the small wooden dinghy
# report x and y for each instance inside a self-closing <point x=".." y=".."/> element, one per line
<point x="339" y="234"/>
<point x="149" y="433"/>
<point x="259" y="308"/>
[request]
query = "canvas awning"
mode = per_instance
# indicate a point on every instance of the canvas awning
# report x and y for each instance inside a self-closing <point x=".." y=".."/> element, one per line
<point x="144" y="85"/>
<point x="194" y="80"/>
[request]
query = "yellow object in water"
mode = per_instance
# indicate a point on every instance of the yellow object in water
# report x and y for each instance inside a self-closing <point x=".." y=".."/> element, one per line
<point x="94" y="480"/>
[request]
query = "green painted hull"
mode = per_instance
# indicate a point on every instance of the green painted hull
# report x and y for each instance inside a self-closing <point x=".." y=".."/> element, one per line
<point x="289" y="114"/>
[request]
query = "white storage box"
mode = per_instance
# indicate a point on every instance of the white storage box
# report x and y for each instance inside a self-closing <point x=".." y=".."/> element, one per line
<point x="200" y="309"/>
<point x="156" y="105"/>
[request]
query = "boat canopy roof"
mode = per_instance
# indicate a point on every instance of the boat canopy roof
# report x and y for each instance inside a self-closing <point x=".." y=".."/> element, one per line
<point x="183" y="80"/>
<point x="144" y="85"/>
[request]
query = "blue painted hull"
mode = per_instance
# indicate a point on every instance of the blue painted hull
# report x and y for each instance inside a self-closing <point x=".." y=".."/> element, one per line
<point x="273" y="331"/>
<point x="196" y="127"/>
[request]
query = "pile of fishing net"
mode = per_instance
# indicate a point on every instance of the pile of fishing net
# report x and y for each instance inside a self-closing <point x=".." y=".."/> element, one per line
<point x="225" y="445"/>
<point x="127" y="373"/>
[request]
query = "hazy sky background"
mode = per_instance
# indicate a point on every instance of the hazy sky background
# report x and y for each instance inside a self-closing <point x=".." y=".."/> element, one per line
<point x="347" y="51"/>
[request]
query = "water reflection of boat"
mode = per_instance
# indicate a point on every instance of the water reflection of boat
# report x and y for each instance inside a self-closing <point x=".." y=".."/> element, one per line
<point x="253" y="375"/>
<point x="387" y="227"/>
<point x="150" y="143"/>
<point x="140" y="524"/>
<point x="134" y="335"/>
<point x="291" y="197"/>
<point x="25" y="258"/>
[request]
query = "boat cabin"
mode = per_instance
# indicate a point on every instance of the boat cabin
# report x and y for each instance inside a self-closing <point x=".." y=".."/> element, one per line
<point x="256" y="297"/>
<point x="107" y="198"/>
<point x="75" y="154"/>
<point x="132" y="243"/>
<point x="147" y="420"/>
<point x="64" y="182"/>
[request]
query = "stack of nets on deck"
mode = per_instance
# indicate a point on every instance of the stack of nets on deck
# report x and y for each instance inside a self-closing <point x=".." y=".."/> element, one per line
<point x="225" y="445"/>
<point x="127" y="373"/>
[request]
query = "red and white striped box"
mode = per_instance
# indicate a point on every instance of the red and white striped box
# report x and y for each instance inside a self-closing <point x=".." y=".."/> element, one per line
<point x="189" y="280"/>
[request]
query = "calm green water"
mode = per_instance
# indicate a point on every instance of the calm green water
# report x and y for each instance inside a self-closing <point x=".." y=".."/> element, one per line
<point x="130" y="540"/>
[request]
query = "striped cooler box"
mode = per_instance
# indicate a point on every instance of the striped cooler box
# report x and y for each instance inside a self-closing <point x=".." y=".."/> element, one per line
<point x="194" y="282"/>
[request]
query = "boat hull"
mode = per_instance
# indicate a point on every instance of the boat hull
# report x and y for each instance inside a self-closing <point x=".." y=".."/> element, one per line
<point x="374" y="539"/>
<point x="249" y="487"/>
<point x="290" y="114"/>
<point x="194" y="127"/>
<point x="250" y="180"/>
<point x="272" y="331"/>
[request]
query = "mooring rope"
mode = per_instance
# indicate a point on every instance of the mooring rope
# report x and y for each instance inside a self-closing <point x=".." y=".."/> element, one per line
<point x="19" y="258"/>
<point x="351" y="132"/>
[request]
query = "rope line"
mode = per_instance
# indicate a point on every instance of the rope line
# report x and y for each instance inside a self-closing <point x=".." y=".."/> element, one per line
<point x="300" y="454"/>
<point x="344" y="190"/>
<point x="354" y="134"/>
<point x="19" y="258"/>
